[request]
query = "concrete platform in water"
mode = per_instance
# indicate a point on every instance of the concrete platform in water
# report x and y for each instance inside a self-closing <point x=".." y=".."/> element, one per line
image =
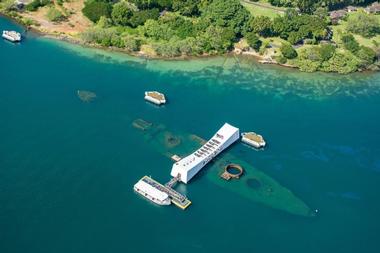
<point x="176" y="198"/>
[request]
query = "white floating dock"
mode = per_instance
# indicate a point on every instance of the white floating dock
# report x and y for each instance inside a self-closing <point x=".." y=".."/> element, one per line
<point x="155" y="97"/>
<point x="253" y="139"/>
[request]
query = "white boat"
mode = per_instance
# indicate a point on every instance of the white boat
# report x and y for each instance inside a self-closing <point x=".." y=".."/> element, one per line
<point x="155" y="97"/>
<point x="152" y="193"/>
<point x="189" y="166"/>
<point x="253" y="139"/>
<point x="12" y="36"/>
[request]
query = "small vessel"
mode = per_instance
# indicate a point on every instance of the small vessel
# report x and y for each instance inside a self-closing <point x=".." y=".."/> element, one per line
<point x="150" y="190"/>
<point x="155" y="97"/>
<point x="12" y="36"/>
<point x="253" y="139"/>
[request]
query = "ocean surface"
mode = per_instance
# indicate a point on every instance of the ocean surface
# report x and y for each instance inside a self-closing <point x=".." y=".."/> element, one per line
<point x="67" y="168"/>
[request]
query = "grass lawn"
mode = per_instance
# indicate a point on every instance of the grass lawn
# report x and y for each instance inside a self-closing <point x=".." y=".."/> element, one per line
<point x="275" y="42"/>
<point x="342" y="27"/>
<point x="262" y="8"/>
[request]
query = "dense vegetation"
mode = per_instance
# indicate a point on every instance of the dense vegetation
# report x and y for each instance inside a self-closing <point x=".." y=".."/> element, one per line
<point x="173" y="28"/>
<point x="170" y="27"/>
<point x="197" y="26"/>
<point x="35" y="4"/>
<point x="94" y="9"/>
<point x="309" y="6"/>
<point x="363" y="24"/>
<point x="301" y="35"/>
<point x="292" y="27"/>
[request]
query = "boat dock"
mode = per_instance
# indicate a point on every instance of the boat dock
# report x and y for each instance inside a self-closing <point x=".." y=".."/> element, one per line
<point x="176" y="198"/>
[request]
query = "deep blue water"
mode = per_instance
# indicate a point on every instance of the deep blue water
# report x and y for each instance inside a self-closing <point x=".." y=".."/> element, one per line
<point x="67" y="168"/>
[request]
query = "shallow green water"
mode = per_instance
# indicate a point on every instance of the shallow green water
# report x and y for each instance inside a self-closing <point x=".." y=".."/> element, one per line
<point x="67" y="168"/>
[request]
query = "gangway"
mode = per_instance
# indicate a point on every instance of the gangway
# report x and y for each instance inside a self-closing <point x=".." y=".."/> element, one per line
<point x="177" y="198"/>
<point x="172" y="182"/>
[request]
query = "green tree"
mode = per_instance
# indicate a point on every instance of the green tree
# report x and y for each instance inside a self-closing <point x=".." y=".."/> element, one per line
<point x="284" y="3"/>
<point x="343" y="63"/>
<point x="132" y="43"/>
<point x="35" y="4"/>
<point x="7" y="5"/>
<point x="262" y="25"/>
<point x="102" y="36"/>
<point x="170" y="48"/>
<point x="363" y="24"/>
<point x="326" y="51"/>
<point x="217" y="38"/>
<point x="200" y="24"/>
<point x="305" y="6"/>
<point x="140" y="17"/>
<point x="300" y="26"/>
<point x="253" y="40"/>
<point x="94" y="9"/>
<point x="121" y="13"/>
<point x="154" y="29"/>
<point x="54" y="15"/>
<point x="228" y="13"/>
<point x="104" y="22"/>
<point x="149" y="4"/>
<point x="350" y="43"/>
<point x="186" y="7"/>
<point x="321" y="12"/>
<point x="288" y="51"/>
<point x="183" y="27"/>
<point x="366" y="54"/>
<point x="295" y="37"/>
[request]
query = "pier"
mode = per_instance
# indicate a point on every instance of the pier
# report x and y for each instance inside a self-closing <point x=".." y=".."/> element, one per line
<point x="177" y="198"/>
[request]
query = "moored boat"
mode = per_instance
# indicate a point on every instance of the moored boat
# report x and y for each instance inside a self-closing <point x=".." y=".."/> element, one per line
<point x="253" y="139"/>
<point x="12" y="36"/>
<point x="155" y="97"/>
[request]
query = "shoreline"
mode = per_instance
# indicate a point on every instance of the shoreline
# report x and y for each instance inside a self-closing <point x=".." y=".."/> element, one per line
<point x="65" y="37"/>
<point x="73" y="40"/>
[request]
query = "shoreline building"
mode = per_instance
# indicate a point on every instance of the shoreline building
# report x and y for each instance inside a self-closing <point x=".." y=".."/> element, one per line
<point x="185" y="169"/>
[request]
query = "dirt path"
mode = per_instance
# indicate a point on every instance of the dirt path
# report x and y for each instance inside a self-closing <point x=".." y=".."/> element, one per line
<point x="76" y="22"/>
<point x="265" y="6"/>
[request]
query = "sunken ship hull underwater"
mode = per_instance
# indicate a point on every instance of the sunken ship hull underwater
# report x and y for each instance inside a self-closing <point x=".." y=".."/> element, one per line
<point x="254" y="185"/>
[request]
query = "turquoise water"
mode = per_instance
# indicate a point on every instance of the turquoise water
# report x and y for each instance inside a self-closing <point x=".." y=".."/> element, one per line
<point x="67" y="168"/>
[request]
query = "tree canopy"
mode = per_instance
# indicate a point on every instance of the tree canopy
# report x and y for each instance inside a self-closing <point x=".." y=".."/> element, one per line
<point x="228" y="13"/>
<point x="363" y="24"/>
<point x="307" y="6"/>
<point x="94" y="9"/>
<point x="121" y="13"/>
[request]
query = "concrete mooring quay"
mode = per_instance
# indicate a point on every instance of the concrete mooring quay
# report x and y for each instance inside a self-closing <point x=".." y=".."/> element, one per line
<point x="176" y="198"/>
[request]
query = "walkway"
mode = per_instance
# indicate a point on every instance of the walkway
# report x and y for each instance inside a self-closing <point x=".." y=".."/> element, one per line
<point x="265" y="6"/>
